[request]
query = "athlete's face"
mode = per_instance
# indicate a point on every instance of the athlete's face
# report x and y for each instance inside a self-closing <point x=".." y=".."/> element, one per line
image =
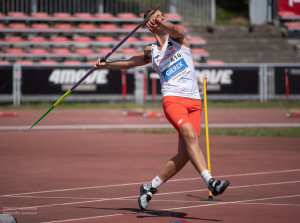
<point x="155" y="20"/>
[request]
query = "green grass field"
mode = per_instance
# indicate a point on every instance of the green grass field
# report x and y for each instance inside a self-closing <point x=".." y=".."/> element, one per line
<point x="276" y="132"/>
<point x="119" y="105"/>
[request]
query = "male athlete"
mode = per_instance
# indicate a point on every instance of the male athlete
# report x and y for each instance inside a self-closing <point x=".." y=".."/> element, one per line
<point x="171" y="58"/>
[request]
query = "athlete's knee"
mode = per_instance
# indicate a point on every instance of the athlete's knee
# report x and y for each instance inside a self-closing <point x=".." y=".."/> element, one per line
<point x="188" y="133"/>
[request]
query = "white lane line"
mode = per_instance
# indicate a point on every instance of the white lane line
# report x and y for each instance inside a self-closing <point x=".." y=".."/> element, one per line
<point x="160" y="194"/>
<point x="178" y="208"/>
<point x="271" y="204"/>
<point x="139" y="183"/>
<point x="147" y="126"/>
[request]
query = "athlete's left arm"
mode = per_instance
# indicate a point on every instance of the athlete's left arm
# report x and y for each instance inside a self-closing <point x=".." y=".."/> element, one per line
<point x="175" y="32"/>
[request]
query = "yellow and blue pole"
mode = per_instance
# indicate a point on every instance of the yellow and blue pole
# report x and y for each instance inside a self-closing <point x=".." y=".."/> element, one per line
<point x="210" y="197"/>
<point x="91" y="70"/>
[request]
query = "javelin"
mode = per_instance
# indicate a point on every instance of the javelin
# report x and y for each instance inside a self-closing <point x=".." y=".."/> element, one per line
<point x="91" y="70"/>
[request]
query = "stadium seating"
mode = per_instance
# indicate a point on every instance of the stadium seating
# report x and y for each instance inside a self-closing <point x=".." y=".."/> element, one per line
<point x="62" y="36"/>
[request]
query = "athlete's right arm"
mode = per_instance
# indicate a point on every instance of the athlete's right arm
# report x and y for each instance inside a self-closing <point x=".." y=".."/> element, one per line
<point x="142" y="58"/>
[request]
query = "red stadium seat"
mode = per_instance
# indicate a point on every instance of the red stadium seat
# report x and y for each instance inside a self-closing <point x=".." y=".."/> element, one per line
<point x="42" y="26"/>
<point x="61" y="51"/>
<point x="84" y="51"/>
<point x="104" y="51"/>
<point x="59" y="39"/>
<point x="86" y="26"/>
<point x="64" y="26"/>
<point x="91" y="62"/>
<point x="40" y="15"/>
<point x="38" y="51"/>
<point x="130" y="39"/>
<point x="215" y="62"/>
<point x="62" y="15"/>
<point x="46" y="62"/>
<point x="199" y="51"/>
<point x="28" y="62"/>
<point x="126" y="15"/>
<point x="17" y="14"/>
<point x="13" y="39"/>
<point x="109" y="26"/>
<point x="129" y="26"/>
<point x="292" y="25"/>
<point x="4" y="62"/>
<point x="82" y="39"/>
<point x="104" y="15"/>
<point x="83" y="15"/>
<point x="288" y="14"/>
<point x="2" y="26"/>
<point x="72" y="62"/>
<point x="150" y="39"/>
<point x="36" y="38"/>
<point x="196" y="39"/>
<point x="2" y="15"/>
<point x="105" y="39"/>
<point x="18" y="26"/>
<point x="130" y="51"/>
<point x="15" y="51"/>
<point x="182" y="26"/>
<point x="173" y="16"/>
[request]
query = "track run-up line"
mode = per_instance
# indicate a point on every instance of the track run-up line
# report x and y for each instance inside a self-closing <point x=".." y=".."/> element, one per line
<point x="178" y="208"/>
<point x="131" y="184"/>
<point x="160" y="194"/>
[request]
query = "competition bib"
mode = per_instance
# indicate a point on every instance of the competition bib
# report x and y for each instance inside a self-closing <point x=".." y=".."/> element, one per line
<point x="174" y="67"/>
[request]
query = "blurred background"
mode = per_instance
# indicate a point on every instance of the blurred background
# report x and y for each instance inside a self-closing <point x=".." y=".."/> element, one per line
<point x="247" y="49"/>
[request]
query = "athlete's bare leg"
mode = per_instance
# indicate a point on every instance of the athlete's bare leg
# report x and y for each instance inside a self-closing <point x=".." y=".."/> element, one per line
<point x="193" y="150"/>
<point x="174" y="165"/>
<point x="188" y="149"/>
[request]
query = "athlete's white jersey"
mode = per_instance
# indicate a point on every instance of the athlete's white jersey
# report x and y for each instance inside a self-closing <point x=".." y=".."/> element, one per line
<point x="174" y="65"/>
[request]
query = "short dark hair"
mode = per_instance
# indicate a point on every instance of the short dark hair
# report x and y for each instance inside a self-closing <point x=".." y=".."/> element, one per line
<point x="149" y="10"/>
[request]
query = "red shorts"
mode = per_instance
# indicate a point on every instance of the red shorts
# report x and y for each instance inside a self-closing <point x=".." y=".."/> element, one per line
<point x="180" y="110"/>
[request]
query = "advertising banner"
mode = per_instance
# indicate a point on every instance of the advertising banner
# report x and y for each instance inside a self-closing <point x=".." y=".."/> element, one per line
<point x="6" y="80"/>
<point x="221" y="80"/>
<point x="289" y="6"/>
<point x="57" y="80"/>
<point x="294" y="80"/>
